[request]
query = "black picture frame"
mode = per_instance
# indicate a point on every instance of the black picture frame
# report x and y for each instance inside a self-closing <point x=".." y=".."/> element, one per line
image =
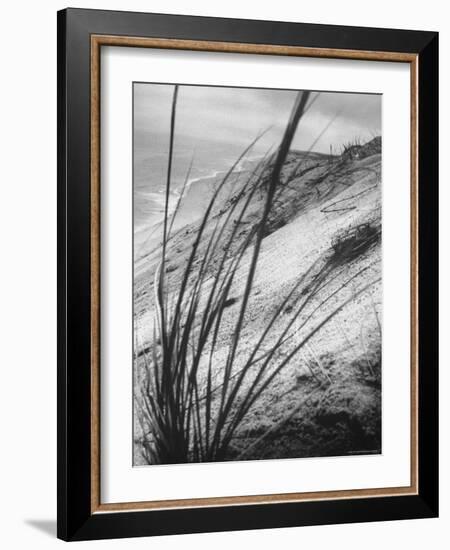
<point x="76" y="520"/>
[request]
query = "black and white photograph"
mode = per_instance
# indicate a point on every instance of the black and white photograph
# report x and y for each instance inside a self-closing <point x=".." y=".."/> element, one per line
<point x="224" y="281"/>
<point x="257" y="273"/>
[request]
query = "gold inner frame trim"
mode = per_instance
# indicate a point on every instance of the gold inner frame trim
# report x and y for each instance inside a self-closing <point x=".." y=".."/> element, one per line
<point x="97" y="41"/>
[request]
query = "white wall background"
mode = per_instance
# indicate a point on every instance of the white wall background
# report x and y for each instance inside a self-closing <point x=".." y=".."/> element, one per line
<point x="28" y="272"/>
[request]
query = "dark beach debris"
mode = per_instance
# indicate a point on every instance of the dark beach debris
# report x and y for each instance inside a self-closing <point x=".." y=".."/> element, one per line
<point x="171" y="268"/>
<point x="340" y="208"/>
<point x="229" y="302"/>
<point x="353" y="242"/>
<point x="144" y="351"/>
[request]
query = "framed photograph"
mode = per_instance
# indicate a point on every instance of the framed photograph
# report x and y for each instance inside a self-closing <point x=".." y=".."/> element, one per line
<point x="247" y="255"/>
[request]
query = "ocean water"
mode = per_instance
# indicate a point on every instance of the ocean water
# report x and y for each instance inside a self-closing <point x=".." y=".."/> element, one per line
<point x="209" y="161"/>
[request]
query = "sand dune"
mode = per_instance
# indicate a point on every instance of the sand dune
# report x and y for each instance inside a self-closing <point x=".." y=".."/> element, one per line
<point x="324" y="226"/>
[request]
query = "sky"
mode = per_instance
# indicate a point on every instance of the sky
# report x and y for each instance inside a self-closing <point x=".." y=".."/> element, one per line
<point x="237" y="115"/>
